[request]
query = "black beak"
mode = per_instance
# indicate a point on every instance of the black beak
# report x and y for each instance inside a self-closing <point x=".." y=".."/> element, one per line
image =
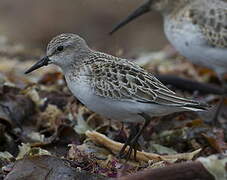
<point x="138" y="12"/>
<point x="42" y="62"/>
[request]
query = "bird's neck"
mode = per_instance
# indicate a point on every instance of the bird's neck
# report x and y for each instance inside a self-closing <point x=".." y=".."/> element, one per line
<point x="166" y="7"/>
<point x="79" y="62"/>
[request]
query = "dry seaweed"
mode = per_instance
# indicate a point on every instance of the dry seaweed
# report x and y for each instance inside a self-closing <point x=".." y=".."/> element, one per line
<point x="41" y="123"/>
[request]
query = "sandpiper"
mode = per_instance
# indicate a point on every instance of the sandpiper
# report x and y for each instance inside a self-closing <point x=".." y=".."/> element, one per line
<point x="113" y="87"/>
<point x="196" y="28"/>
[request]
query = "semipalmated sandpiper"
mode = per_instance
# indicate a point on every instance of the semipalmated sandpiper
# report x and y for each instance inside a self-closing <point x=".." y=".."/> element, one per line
<point x="113" y="87"/>
<point x="196" y="28"/>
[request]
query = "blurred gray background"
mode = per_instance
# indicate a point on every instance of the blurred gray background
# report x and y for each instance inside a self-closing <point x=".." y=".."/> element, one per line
<point x="34" y="22"/>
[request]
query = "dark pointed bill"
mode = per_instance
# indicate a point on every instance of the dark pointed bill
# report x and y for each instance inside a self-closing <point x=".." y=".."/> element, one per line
<point x="138" y="12"/>
<point x="42" y="62"/>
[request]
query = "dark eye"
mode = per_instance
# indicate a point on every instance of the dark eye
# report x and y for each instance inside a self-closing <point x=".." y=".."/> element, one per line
<point x="60" y="48"/>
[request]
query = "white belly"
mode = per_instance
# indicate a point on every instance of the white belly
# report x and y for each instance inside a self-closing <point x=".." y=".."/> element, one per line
<point x="115" y="109"/>
<point x="190" y="42"/>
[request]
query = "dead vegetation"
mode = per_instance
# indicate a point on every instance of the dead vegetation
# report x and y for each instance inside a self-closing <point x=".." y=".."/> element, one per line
<point x="43" y="127"/>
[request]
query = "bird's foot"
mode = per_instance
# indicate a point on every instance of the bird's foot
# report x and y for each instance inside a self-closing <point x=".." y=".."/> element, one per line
<point x="215" y="121"/>
<point x="126" y="153"/>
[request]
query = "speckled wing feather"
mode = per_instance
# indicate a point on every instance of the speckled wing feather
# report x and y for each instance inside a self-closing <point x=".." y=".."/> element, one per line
<point x="122" y="80"/>
<point x="212" y="20"/>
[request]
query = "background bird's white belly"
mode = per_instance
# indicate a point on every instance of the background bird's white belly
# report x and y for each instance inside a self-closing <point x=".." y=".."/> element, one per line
<point x="191" y="43"/>
<point x="120" y="110"/>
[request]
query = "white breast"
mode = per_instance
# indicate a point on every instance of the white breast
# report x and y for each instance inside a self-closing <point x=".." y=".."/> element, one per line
<point x="120" y="110"/>
<point x="191" y="43"/>
<point x="107" y="107"/>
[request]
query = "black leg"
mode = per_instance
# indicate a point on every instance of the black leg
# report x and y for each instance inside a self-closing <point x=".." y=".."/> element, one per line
<point x="217" y="112"/>
<point x="122" y="126"/>
<point x="221" y="102"/>
<point x="132" y="133"/>
<point x="147" y="119"/>
<point x="132" y="140"/>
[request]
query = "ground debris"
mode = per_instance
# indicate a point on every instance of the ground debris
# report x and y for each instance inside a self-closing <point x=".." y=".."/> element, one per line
<point x="141" y="155"/>
<point x="45" y="132"/>
<point x="47" y="167"/>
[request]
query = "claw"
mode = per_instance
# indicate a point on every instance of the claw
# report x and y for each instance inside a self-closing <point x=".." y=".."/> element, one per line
<point x="126" y="154"/>
<point x="132" y="140"/>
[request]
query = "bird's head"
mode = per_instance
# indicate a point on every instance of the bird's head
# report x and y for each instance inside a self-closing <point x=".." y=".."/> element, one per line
<point x="62" y="51"/>
<point x="163" y="6"/>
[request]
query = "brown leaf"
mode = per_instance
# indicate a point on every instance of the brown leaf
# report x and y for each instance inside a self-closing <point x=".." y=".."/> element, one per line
<point x="50" y="78"/>
<point x="15" y="107"/>
<point x="216" y="140"/>
<point x="48" y="167"/>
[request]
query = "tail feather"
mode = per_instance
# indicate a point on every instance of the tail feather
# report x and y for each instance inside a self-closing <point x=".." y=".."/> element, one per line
<point x="174" y="100"/>
<point x="197" y="106"/>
